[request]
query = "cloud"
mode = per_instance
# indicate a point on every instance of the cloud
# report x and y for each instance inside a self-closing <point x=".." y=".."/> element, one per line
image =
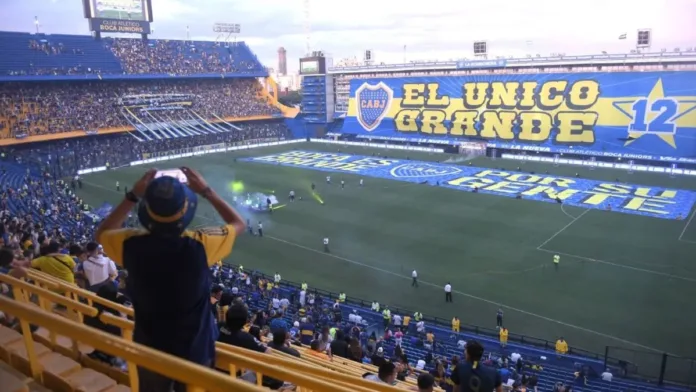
<point x="437" y="29"/>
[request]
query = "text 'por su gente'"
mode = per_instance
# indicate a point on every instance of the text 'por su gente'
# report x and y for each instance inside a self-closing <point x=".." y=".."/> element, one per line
<point x="556" y="109"/>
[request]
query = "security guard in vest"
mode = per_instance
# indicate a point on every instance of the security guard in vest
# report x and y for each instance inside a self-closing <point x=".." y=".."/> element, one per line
<point x="417" y="316"/>
<point x="386" y="315"/>
<point x="556" y="261"/>
<point x="342" y="297"/>
<point x="304" y="286"/>
<point x="240" y="269"/>
<point x="276" y="279"/>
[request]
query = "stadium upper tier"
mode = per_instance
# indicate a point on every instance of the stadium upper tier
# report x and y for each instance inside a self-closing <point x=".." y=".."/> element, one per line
<point x="33" y="109"/>
<point x="28" y="56"/>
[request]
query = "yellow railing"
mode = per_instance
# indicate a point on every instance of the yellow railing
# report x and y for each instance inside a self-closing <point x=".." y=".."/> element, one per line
<point x="197" y="378"/>
<point x="309" y="376"/>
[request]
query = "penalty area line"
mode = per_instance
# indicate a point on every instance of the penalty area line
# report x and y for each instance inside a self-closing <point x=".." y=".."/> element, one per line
<point x="575" y="219"/>
<point x="471" y="296"/>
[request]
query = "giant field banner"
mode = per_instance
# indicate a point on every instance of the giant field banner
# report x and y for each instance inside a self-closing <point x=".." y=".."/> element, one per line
<point x="636" y="115"/>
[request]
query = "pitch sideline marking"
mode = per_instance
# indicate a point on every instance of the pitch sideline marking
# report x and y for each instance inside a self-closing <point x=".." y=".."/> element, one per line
<point x="472" y="296"/>
<point x="685" y="227"/>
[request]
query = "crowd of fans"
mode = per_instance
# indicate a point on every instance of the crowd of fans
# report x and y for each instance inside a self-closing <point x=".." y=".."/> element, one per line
<point x="66" y="157"/>
<point x="33" y="109"/>
<point x="179" y="57"/>
<point x="171" y="57"/>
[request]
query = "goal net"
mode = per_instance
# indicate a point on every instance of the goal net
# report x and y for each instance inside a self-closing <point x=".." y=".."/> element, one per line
<point x="473" y="149"/>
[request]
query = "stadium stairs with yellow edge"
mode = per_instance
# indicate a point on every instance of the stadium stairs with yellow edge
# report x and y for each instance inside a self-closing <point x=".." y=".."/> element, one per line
<point x="54" y="356"/>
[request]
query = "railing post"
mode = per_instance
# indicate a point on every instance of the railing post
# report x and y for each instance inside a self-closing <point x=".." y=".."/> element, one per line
<point x="606" y="356"/>
<point x="663" y="368"/>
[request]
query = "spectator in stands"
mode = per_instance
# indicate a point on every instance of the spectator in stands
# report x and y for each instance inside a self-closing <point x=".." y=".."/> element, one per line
<point x="426" y="383"/>
<point x="281" y="342"/>
<point x="355" y="349"/>
<point x="54" y="263"/>
<point x="386" y="374"/>
<point x="98" y="270"/>
<point x="378" y="357"/>
<point x="110" y="293"/>
<point x="472" y="372"/>
<point x="315" y="350"/>
<point x="607" y="376"/>
<point x="180" y="321"/>
<point x="561" y="346"/>
<point x="232" y="333"/>
<point x="339" y="346"/>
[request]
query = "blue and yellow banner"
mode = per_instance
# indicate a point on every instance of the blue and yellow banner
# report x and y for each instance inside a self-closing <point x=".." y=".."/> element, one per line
<point x="646" y="115"/>
<point x="609" y="196"/>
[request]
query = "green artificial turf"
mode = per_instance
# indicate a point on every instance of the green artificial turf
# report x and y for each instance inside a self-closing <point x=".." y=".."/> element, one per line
<point x="624" y="280"/>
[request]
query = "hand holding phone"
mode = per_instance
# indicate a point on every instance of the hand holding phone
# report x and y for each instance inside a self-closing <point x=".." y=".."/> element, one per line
<point x="176" y="173"/>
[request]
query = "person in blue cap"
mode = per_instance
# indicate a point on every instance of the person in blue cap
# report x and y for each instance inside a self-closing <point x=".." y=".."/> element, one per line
<point x="168" y="266"/>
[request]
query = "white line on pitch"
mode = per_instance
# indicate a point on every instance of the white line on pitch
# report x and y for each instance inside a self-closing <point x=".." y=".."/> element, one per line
<point x="687" y="225"/>
<point x="563" y="228"/>
<point x="647" y="271"/>
<point x="465" y="294"/>
<point x="567" y="214"/>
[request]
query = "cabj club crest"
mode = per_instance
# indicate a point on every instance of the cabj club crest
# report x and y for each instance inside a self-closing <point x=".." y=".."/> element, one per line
<point x="373" y="103"/>
<point x="420" y="170"/>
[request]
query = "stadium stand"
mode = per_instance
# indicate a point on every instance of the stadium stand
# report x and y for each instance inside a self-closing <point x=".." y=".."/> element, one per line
<point x="49" y="108"/>
<point x="71" y="155"/>
<point x="27" y="54"/>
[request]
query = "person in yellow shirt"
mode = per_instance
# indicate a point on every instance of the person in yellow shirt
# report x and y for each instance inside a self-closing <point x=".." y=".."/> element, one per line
<point x="503" y="337"/>
<point x="429" y="337"/>
<point x="455" y="324"/>
<point x="56" y="264"/>
<point x="561" y="346"/>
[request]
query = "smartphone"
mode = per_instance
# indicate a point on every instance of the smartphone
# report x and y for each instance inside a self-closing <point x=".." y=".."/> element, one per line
<point x="176" y="173"/>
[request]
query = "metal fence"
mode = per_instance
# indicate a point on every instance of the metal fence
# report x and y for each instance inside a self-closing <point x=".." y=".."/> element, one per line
<point x="654" y="366"/>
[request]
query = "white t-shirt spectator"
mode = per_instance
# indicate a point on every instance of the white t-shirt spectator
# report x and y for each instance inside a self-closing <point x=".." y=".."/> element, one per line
<point x="461" y="344"/>
<point x="276" y="303"/>
<point x="420" y="326"/>
<point x="98" y="269"/>
<point x="514" y="357"/>
<point x="284" y="303"/>
<point x="397" y="320"/>
<point x="355" y="318"/>
<point x="607" y="376"/>
<point x="303" y="297"/>
<point x="235" y="290"/>
<point x="420" y="365"/>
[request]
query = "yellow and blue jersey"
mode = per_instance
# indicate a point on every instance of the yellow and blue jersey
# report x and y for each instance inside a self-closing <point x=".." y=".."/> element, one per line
<point x="169" y="284"/>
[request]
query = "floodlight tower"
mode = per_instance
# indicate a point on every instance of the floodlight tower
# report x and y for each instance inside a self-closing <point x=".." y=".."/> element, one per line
<point x="308" y="26"/>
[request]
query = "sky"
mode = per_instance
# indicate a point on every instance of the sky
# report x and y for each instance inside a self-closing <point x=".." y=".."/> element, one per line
<point x="397" y="30"/>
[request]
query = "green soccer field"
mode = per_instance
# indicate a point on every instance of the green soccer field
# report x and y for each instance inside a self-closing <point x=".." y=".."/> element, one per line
<point x="624" y="280"/>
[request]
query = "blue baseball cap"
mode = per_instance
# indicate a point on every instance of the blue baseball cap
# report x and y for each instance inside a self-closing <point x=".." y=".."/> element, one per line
<point x="168" y="206"/>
